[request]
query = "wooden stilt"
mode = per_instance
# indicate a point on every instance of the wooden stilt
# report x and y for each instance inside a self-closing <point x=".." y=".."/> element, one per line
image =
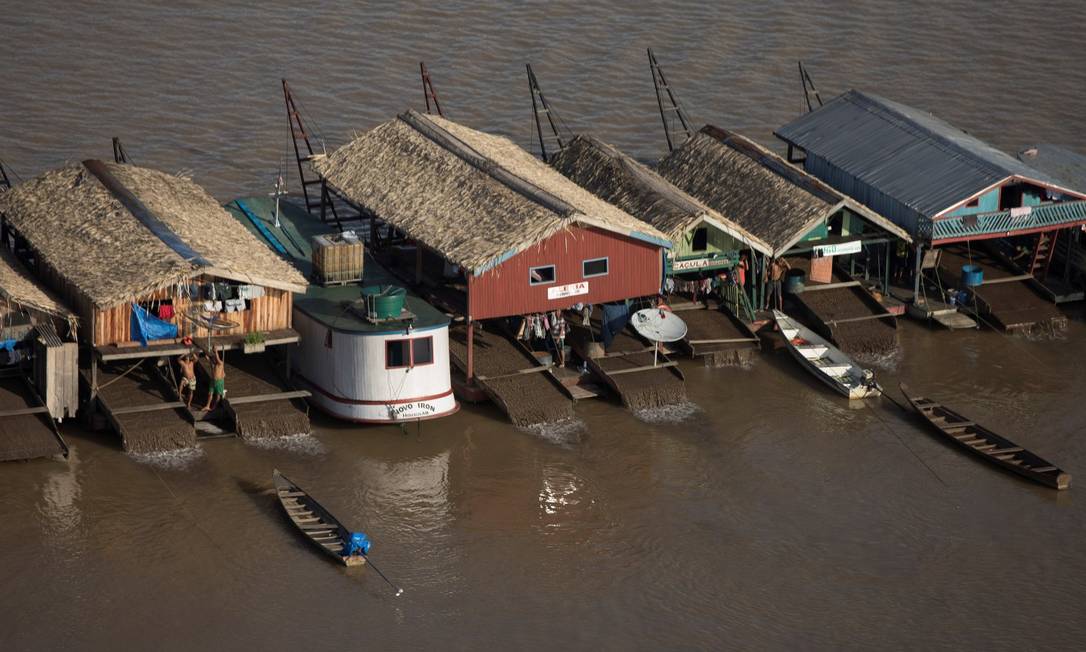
<point x="471" y="334"/>
<point x="916" y="275"/>
<point x="471" y="350"/>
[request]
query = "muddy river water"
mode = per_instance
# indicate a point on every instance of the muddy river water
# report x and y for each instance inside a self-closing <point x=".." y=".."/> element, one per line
<point x="767" y="514"/>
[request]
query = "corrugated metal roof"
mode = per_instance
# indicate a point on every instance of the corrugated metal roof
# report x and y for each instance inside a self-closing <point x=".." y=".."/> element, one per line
<point x="912" y="156"/>
<point x="1064" y="164"/>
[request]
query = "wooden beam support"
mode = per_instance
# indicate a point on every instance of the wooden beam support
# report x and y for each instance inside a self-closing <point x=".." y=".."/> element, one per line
<point x="662" y="365"/>
<point x="23" y="411"/>
<point x="263" y="398"/>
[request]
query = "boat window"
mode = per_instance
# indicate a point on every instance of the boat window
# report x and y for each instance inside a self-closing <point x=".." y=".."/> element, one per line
<point x="397" y="354"/>
<point x="594" y="267"/>
<point x="541" y="275"/>
<point x="422" y="351"/>
<point x="700" y="241"/>
<point x="328" y="339"/>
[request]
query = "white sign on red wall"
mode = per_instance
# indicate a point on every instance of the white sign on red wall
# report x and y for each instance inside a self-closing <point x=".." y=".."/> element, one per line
<point x="563" y="291"/>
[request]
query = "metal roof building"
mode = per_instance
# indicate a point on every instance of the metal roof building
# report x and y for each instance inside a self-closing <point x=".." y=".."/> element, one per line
<point x="933" y="179"/>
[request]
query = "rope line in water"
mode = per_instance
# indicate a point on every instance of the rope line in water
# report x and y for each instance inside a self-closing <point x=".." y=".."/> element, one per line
<point x="898" y="437"/>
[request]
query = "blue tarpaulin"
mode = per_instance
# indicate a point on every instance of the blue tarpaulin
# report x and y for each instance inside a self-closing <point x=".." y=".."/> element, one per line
<point x="146" y="326"/>
<point x="615" y="318"/>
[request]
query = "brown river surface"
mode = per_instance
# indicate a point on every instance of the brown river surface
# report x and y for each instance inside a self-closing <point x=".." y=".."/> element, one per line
<point x="766" y="515"/>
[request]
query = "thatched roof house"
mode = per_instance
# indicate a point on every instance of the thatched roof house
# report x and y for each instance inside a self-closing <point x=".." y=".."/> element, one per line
<point x="757" y="189"/>
<point x="105" y="236"/>
<point x="475" y="198"/>
<point x="18" y="289"/>
<point x="620" y="180"/>
<point x="529" y="239"/>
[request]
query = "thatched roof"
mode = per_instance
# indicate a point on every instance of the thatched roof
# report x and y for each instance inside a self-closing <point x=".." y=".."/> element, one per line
<point x="18" y="287"/>
<point x="475" y="198"/>
<point x="620" y="180"/>
<point x="84" y="232"/>
<point x="757" y="189"/>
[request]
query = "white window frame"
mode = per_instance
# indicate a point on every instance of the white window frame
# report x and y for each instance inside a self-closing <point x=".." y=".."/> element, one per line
<point x="554" y="275"/>
<point x="606" y="259"/>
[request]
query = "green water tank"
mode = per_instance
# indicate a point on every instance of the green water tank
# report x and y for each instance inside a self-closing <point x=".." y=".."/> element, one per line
<point x="384" y="301"/>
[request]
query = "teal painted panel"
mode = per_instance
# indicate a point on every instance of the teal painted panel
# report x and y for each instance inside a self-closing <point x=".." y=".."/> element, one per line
<point x="818" y="233"/>
<point x="986" y="203"/>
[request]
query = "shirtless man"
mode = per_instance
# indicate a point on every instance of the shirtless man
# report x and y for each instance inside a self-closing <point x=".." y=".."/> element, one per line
<point x="218" y="381"/>
<point x="777" y="270"/>
<point x="187" y="362"/>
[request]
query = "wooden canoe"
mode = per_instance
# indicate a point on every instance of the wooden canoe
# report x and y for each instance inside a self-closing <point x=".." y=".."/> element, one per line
<point x="828" y="363"/>
<point x="314" y="521"/>
<point x="986" y="444"/>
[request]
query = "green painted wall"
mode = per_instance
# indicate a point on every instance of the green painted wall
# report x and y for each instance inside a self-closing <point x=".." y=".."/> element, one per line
<point x="988" y="203"/>
<point x="1032" y="197"/>
<point x="817" y="233"/>
<point x="718" y="243"/>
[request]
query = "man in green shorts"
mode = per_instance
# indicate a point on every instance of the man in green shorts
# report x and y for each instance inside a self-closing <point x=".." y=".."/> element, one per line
<point x="218" y="381"/>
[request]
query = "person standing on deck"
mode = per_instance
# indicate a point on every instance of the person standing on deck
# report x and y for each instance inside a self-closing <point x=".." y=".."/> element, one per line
<point x="741" y="272"/>
<point x="187" y="363"/>
<point x="218" y="381"/>
<point x="777" y="270"/>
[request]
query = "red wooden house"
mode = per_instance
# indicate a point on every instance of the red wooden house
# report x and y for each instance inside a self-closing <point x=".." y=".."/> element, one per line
<point x="527" y="239"/>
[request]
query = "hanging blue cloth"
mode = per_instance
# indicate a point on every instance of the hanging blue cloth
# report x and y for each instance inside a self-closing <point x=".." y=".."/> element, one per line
<point x="8" y="345"/>
<point x="358" y="543"/>
<point x="146" y="326"/>
<point x="615" y="318"/>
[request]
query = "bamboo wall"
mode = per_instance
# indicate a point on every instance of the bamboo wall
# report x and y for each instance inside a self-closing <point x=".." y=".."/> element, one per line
<point x="269" y="312"/>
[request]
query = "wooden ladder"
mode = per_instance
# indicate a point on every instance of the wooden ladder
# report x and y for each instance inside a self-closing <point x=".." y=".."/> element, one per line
<point x="332" y="206"/>
<point x="1043" y="253"/>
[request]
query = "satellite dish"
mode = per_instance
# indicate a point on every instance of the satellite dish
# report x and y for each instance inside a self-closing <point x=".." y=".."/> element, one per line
<point x="658" y="325"/>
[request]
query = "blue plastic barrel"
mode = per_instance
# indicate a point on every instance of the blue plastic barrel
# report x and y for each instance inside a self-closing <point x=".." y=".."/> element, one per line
<point x="972" y="275"/>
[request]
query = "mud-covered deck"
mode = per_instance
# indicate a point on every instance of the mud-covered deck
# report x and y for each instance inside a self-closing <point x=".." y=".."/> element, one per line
<point x="262" y="404"/>
<point x="26" y="429"/>
<point x="1006" y="299"/>
<point x="717" y="337"/>
<point x="529" y="398"/>
<point x="629" y="367"/>
<point x="851" y="319"/>
<point x="141" y="409"/>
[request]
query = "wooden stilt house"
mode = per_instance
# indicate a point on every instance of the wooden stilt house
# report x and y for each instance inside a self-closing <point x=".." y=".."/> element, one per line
<point x="703" y="240"/>
<point x="951" y="191"/>
<point x="147" y="259"/>
<point x="521" y="238"/>
<point x="38" y="365"/>
<point x="791" y="211"/>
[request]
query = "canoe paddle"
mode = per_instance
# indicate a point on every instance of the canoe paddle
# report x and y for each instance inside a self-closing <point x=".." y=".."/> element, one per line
<point x="399" y="591"/>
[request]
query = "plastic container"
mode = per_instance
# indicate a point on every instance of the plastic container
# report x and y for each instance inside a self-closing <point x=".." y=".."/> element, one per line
<point x="972" y="276"/>
<point x="794" y="281"/>
<point x="384" y="301"/>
